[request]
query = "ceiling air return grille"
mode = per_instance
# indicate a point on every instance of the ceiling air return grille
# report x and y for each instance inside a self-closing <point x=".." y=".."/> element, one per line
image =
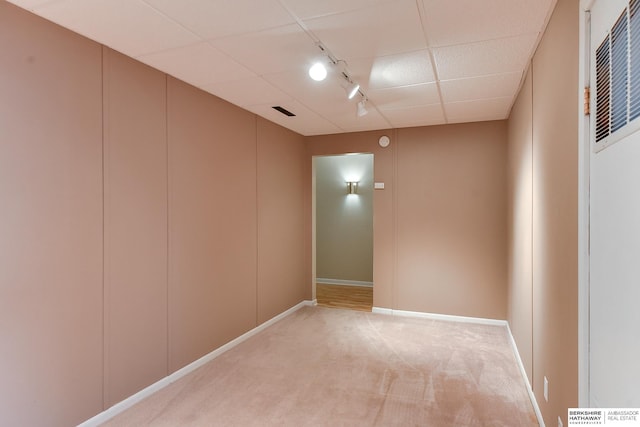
<point x="618" y="74"/>
<point x="283" y="111"/>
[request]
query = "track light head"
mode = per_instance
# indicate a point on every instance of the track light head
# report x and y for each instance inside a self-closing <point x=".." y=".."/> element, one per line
<point x="362" y="108"/>
<point x="352" y="89"/>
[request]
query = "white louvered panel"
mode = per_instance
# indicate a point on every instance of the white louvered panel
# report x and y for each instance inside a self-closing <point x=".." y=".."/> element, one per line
<point x="619" y="73"/>
<point x="618" y="77"/>
<point x="634" y="59"/>
<point x="603" y="101"/>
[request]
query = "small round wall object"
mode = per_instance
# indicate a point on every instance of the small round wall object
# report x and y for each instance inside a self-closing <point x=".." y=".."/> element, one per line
<point x="384" y="141"/>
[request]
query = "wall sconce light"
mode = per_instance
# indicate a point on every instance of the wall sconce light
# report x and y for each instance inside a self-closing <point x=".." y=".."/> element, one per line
<point x="352" y="187"/>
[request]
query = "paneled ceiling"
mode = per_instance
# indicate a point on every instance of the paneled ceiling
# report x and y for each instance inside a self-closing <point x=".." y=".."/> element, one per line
<point x="418" y="62"/>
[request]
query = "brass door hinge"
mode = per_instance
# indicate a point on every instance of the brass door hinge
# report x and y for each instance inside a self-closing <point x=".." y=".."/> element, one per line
<point x="587" y="101"/>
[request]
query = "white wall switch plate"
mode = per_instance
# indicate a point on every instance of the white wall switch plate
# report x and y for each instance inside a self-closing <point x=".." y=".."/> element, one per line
<point x="378" y="185"/>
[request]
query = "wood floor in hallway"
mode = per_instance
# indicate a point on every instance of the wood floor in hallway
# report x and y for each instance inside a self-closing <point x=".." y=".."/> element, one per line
<point x="351" y="297"/>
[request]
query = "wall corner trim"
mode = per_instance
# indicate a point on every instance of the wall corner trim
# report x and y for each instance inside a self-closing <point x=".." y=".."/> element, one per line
<point x="122" y="406"/>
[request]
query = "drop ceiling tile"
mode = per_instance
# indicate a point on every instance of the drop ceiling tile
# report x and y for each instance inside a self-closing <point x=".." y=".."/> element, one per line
<point x="306" y="122"/>
<point x="31" y="4"/>
<point x="360" y="70"/>
<point x="246" y="92"/>
<point x="131" y="27"/>
<point x="199" y="64"/>
<point x="257" y="57"/>
<point x="401" y="70"/>
<point x="425" y="115"/>
<point x="272" y="51"/>
<point x="382" y="29"/>
<point x="307" y="9"/>
<point x="217" y="18"/>
<point x="371" y="121"/>
<point x="407" y="96"/>
<point x="480" y="110"/>
<point x="324" y="97"/>
<point x="483" y="58"/>
<point x="346" y="117"/>
<point x="464" y="21"/>
<point x="493" y="86"/>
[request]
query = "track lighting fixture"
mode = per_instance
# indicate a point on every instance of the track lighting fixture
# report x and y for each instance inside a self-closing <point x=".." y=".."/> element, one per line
<point x="352" y="89"/>
<point x="318" y="72"/>
<point x="362" y="108"/>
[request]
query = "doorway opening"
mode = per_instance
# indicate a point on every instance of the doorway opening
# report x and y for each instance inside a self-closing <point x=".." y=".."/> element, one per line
<point x="343" y="231"/>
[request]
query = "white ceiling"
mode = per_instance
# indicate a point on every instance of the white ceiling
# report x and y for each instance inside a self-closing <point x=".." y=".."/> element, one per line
<point x="419" y="62"/>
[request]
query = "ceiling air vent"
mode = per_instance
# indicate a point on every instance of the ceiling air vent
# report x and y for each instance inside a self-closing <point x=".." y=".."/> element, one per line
<point x="284" y="111"/>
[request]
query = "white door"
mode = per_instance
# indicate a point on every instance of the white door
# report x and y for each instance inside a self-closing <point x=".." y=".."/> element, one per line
<point x="614" y="327"/>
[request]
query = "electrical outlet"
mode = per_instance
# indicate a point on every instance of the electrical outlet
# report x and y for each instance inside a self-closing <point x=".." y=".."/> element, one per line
<point x="546" y="389"/>
<point x="560" y="422"/>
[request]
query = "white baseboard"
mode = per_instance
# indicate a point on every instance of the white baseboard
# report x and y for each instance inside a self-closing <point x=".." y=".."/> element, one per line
<point x="341" y="282"/>
<point x="435" y="316"/>
<point x="119" y="407"/>
<point x="532" y="396"/>
<point x="380" y="310"/>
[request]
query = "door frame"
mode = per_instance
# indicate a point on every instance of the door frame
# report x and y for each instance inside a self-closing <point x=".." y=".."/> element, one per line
<point x="313" y="213"/>
<point x="584" y="179"/>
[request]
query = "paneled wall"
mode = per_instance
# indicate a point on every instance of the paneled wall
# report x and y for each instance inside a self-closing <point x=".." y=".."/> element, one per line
<point x="543" y="159"/>
<point x="144" y="223"/>
<point x="281" y="218"/>
<point x="556" y="102"/>
<point x="520" y="211"/>
<point x="451" y="220"/>
<point x="51" y="241"/>
<point x="135" y="225"/>
<point x="440" y="222"/>
<point x="212" y="222"/>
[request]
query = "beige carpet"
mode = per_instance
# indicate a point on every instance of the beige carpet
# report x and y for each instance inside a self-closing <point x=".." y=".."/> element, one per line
<point x="332" y="367"/>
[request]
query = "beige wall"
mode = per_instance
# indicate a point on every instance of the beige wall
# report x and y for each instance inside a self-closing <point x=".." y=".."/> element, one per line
<point x="552" y="121"/>
<point x="135" y="225"/>
<point x="281" y="220"/>
<point x="520" y="211"/>
<point x="440" y="224"/>
<point x="212" y="222"/>
<point x="139" y="215"/>
<point x="51" y="240"/>
<point x="144" y="223"/>
<point x="451" y="220"/>
<point x="344" y="223"/>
